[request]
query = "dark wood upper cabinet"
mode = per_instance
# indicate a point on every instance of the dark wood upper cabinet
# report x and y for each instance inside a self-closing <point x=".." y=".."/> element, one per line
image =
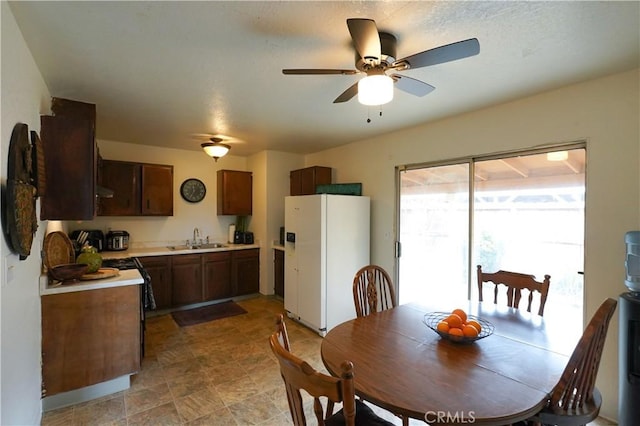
<point x="70" y="152"/>
<point x="139" y="189"/>
<point x="123" y="179"/>
<point x="157" y="190"/>
<point x="234" y="192"/>
<point x="304" y="181"/>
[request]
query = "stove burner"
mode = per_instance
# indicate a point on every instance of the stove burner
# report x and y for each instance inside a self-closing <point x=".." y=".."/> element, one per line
<point x="122" y="264"/>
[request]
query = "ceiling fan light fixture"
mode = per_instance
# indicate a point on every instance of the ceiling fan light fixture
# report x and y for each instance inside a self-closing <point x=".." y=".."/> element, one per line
<point x="375" y="90"/>
<point x="215" y="149"/>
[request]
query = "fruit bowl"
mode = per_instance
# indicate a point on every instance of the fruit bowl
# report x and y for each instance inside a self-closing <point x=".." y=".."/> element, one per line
<point x="432" y="319"/>
<point x="68" y="271"/>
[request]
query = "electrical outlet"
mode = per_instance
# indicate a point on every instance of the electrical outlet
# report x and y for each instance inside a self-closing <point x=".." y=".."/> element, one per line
<point x="8" y="269"/>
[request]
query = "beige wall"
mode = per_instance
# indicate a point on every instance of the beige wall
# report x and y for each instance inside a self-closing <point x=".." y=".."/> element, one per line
<point x="186" y="216"/>
<point x="604" y="112"/>
<point x="24" y="97"/>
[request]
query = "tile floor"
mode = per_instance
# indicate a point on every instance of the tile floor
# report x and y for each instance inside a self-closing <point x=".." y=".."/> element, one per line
<point x="217" y="373"/>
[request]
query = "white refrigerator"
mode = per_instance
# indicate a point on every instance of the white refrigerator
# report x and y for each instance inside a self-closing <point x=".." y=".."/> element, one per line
<point x="326" y="243"/>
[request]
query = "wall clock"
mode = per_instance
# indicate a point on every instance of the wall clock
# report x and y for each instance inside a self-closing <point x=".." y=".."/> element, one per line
<point x="193" y="190"/>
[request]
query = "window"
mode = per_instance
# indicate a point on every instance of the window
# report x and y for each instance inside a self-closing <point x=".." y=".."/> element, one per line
<point x="521" y="212"/>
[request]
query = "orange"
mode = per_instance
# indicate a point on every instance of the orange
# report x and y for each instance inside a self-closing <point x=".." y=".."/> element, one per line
<point x="461" y="313"/>
<point x="476" y="324"/>
<point x="470" y="331"/>
<point x="456" y="333"/>
<point x="454" y="321"/>
<point x="443" y="327"/>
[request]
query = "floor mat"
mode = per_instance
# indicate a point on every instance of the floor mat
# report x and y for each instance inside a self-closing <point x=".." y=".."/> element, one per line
<point x="207" y="313"/>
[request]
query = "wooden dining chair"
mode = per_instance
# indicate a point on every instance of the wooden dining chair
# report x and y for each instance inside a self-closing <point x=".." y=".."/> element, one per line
<point x="299" y="375"/>
<point x="372" y="290"/>
<point x="515" y="282"/>
<point x="575" y="400"/>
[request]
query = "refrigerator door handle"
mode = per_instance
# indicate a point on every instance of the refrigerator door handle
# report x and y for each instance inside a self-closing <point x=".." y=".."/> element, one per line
<point x="398" y="248"/>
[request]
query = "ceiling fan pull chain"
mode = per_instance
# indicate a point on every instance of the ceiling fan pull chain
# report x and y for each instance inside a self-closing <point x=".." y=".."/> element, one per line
<point x="380" y="110"/>
<point x="368" y="114"/>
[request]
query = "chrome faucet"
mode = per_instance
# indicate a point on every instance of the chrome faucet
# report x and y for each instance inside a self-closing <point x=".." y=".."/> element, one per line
<point x="196" y="235"/>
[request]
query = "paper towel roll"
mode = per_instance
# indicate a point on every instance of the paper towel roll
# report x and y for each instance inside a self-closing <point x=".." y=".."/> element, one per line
<point x="232" y="231"/>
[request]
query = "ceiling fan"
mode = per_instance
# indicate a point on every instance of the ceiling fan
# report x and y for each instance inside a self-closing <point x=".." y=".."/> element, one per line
<point x="376" y="55"/>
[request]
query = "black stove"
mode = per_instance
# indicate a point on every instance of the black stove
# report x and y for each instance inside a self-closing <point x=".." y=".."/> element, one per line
<point x="122" y="264"/>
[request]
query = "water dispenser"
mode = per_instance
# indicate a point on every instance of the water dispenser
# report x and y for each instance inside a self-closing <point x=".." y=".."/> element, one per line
<point x="629" y="337"/>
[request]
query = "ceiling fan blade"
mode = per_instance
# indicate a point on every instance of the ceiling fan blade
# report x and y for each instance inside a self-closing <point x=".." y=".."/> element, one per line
<point x="411" y="85"/>
<point x="312" y="71"/>
<point x="347" y="94"/>
<point x="442" y="54"/>
<point x="366" y="39"/>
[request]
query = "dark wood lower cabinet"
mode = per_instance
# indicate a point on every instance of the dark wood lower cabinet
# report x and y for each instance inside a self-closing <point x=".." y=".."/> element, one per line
<point x="186" y="279"/>
<point x="246" y="271"/>
<point x="278" y="272"/>
<point x="217" y="275"/>
<point x="159" y="269"/>
<point x="89" y="337"/>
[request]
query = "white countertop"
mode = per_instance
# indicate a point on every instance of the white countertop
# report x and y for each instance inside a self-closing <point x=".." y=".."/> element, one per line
<point x="124" y="278"/>
<point x="165" y="251"/>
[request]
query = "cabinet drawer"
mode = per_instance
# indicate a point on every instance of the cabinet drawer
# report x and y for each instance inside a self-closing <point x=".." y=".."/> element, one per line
<point x="151" y="261"/>
<point x="216" y="257"/>
<point x="185" y="259"/>
<point x="248" y="253"/>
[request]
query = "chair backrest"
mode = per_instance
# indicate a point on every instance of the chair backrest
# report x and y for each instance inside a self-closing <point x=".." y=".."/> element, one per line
<point x="299" y="375"/>
<point x="372" y="290"/>
<point x="573" y="396"/>
<point x="515" y="282"/>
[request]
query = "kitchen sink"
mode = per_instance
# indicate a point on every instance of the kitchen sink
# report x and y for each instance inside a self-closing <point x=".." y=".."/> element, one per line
<point x="197" y="246"/>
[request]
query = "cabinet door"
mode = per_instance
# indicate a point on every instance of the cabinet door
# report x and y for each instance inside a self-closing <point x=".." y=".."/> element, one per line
<point x="157" y="190"/>
<point x="217" y="275"/>
<point x="234" y="192"/>
<point x="68" y="143"/>
<point x="304" y="181"/>
<point x="295" y="182"/>
<point x="123" y="178"/>
<point x="246" y="271"/>
<point x="186" y="279"/>
<point x="278" y="278"/>
<point x="89" y="337"/>
<point x="159" y="269"/>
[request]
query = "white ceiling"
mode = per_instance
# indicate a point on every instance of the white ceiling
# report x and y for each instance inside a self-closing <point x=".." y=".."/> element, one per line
<point x="161" y="71"/>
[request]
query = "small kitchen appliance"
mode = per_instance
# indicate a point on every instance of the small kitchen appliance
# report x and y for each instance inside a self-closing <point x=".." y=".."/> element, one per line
<point x="240" y="237"/>
<point x="93" y="237"/>
<point x="117" y="240"/>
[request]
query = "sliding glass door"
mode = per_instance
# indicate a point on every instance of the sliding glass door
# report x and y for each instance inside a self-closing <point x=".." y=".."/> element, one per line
<point x="434" y="232"/>
<point x="522" y="212"/>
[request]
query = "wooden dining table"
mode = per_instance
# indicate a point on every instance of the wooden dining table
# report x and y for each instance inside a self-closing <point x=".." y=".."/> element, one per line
<point x="402" y="365"/>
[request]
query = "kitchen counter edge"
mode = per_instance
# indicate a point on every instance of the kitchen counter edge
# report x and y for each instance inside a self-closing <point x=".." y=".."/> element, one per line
<point x="164" y="251"/>
<point x="124" y="278"/>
